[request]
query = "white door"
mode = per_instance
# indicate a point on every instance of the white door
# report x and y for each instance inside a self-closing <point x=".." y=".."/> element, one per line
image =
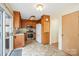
<point x="38" y="33"/>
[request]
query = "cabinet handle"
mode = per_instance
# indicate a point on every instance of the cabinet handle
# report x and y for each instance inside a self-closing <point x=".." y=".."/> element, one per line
<point x="14" y="36"/>
<point x="78" y="34"/>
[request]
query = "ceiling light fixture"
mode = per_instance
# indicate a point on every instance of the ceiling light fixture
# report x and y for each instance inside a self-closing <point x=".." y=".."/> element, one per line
<point x="39" y="7"/>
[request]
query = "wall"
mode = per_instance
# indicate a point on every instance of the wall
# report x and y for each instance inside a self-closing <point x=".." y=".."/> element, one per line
<point x="54" y="22"/>
<point x="7" y="8"/>
<point x="56" y="30"/>
<point x="60" y="33"/>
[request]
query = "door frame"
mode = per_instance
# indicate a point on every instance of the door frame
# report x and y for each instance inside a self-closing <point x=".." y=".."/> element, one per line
<point x="11" y="37"/>
<point x="3" y="31"/>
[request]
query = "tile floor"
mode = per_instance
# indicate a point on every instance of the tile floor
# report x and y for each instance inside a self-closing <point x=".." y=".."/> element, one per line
<point x="33" y="48"/>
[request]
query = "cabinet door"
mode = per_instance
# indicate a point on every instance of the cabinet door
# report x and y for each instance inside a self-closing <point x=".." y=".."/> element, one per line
<point x="46" y="27"/>
<point x="45" y="21"/>
<point x="17" y="20"/>
<point x="70" y="33"/>
<point x="19" y="41"/>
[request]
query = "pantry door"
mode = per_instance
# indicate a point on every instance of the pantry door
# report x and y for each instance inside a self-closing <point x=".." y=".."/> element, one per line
<point x="70" y="33"/>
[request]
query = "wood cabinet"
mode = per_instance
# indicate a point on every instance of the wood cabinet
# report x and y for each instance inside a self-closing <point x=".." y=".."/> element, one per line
<point x="70" y="33"/>
<point x="17" y="19"/>
<point x="45" y="22"/>
<point x="29" y="22"/>
<point x="19" y="41"/>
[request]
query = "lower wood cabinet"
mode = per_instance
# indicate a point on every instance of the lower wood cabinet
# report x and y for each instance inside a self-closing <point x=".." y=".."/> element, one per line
<point x="19" y="41"/>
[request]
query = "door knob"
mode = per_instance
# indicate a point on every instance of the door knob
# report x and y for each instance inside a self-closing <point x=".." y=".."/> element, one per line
<point x="78" y="34"/>
<point x="62" y="34"/>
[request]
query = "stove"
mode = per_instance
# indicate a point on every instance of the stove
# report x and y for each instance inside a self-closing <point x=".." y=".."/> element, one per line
<point x="30" y="35"/>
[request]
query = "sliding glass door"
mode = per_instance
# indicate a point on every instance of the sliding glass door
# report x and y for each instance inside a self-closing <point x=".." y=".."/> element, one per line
<point x="6" y="33"/>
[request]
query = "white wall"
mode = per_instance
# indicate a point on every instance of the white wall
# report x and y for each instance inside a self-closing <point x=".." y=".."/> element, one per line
<point x="7" y="8"/>
<point x="56" y="30"/>
<point x="60" y="33"/>
<point x="53" y="29"/>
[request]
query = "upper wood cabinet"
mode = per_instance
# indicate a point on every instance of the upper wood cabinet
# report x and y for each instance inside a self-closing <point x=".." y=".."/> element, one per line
<point x="29" y="22"/>
<point x="17" y="19"/>
<point x="45" y="21"/>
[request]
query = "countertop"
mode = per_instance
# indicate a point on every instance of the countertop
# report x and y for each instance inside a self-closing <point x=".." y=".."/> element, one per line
<point x="19" y="34"/>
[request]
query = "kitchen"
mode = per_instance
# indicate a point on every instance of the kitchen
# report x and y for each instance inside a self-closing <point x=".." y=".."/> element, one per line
<point x="35" y="31"/>
<point x="30" y="29"/>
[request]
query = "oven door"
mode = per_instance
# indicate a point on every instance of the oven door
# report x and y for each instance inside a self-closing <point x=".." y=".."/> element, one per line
<point x="29" y="35"/>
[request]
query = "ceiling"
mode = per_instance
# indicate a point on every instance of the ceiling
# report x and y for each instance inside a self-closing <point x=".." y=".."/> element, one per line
<point x="28" y="9"/>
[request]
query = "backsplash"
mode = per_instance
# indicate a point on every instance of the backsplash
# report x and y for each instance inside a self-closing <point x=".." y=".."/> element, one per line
<point x="21" y="30"/>
<point x="24" y="30"/>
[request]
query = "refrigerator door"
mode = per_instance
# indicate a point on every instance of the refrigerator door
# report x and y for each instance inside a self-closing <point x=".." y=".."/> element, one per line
<point x="38" y="33"/>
